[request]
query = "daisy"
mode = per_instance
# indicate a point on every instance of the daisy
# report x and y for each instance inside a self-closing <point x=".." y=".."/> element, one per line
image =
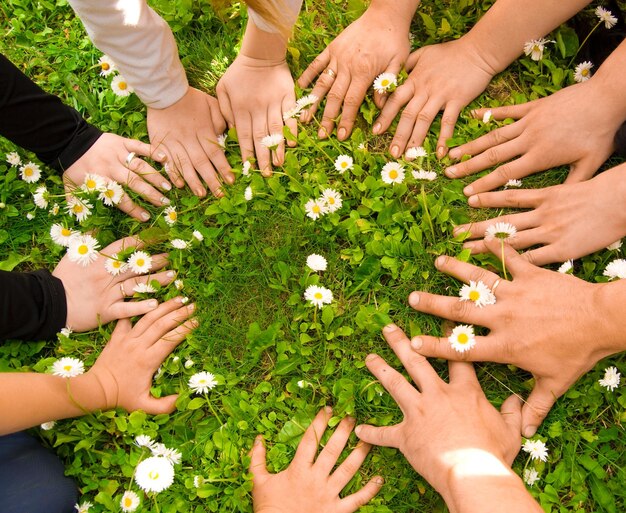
<point x="40" y="197"/>
<point x="362" y="147"/>
<point x="68" y="367"/>
<point x="616" y="269"/>
<point x="111" y="193"/>
<point x="30" y="216"/>
<point x="62" y="235"/>
<point x="513" y="183"/>
<point x="180" y="244"/>
<point x="606" y="16"/>
<point x="179" y="284"/>
<point x="83" y="507"/>
<point x="248" y="194"/>
<point x="487" y="116"/>
<point x="202" y="382"/>
<point x="582" y="72"/>
<point x="611" y="379"/>
<point x="189" y="364"/>
<point x="198" y="481"/>
<point x="144" y="288"/>
<point x="531" y="476"/>
<point x="415" y="152"/>
<point x="536" y="449"/>
<point x="158" y="449"/>
<point x="197" y="235"/>
<point x="306" y="101"/>
<point x="121" y="87"/>
<point x="332" y="198"/>
<point x="385" y="83"/>
<point x="13" y="158"/>
<point x="566" y="267"/>
<point x="93" y="183"/>
<point x="140" y="262"/>
<point x="83" y="249"/>
<point x="221" y="141"/>
<point x="292" y="113"/>
<point x="55" y="209"/>
<point x="170" y="215"/>
<point x="477" y="292"/>
<point x="503" y="231"/>
<point x="421" y="174"/>
<point x="66" y="332"/>
<point x="30" y="172"/>
<point x="144" y="441"/>
<point x="615" y="246"/>
<point x="535" y="47"/>
<point x="114" y="265"/>
<point x="462" y="338"/>
<point x="173" y="455"/>
<point x="315" y="208"/>
<point x="130" y="501"/>
<point x="343" y="163"/>
<point x="318" y="296"/>
<point x="47" y="426"/>
<point x="154" y="474"/>
<point x="316" y="262"/>
<point x="272" y="141"/>
<point x="79" y="208"/>
<point x="392" y="172"/>
<point x="245" y="171"/>
<point x="107" y="66"/>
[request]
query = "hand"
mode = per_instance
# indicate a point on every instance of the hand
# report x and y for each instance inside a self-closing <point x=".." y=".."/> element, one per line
<point x="444" y="77"/>
<point x="125" y="368"/>
<point x="556" y="344"/>
<point x="570" y="220"/>
<point x="307" y="485"/>
<point x="253" y="95"/>
<point x="107" y="157"/>
<point x="95" y="297"/>
<point x="187" y="133"/>
<point x="377" y="42"/>
<point x="574" y="126"/>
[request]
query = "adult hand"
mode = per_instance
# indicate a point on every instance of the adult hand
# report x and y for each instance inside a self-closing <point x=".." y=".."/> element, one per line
<point x="444" y="77"/>
<point x="253" y="95"/>
<point x="187" y="133"/>
<point x="95" y="297"/>
<point x="557" y="344"/>
<point x="569" y="220"/>
<point x="574" y="126"/>
<point x="375" y="43"/>
<point x="125" y="368"/>
<point x="307" y="485"/>
<point x="107" y="157"/>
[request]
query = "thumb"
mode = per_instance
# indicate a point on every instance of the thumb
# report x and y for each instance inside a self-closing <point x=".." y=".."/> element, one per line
<point x="156" y="406"/>
<point x="393" y="68"/>
<point x="537" y="406"/>
<point x="383" y="436"/>
<point x="257" y="461"/>
<point x="511" y="413"/>
<point x="411" y="62"/>
<point x="584" y="169"/>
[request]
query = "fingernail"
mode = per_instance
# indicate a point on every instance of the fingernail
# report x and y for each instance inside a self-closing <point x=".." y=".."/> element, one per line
<point x="200" y="192"/>
<point x="145" y="216"/>
<point x="473" y="201"/>
<point x="190" y="307"/>
<point x="376" y="128"/>
<point x="370" y="357"/>
<point x="171" y="274"/>
<point x="328" y="409"/>
<point x="165" y="201"/>
<point x="342" y="133"/>
<point x="178" y="299"/>
<point x="414" y="299"/>
<point x="529" y="431"/>
<point x="167" y="186"/>
<point x="266" y="172"/>
<point x="440" y="151"/>
<point x="161" y="156"/>
<point x="440" y="261"/>
<point x="357" y="430"/>
<point x="185" y="301"/>
<point x="153" y="303"/>
<point x="321" y="133"/>
<point x="350" y="419"/>
<point x="454" y="154"/>
<point x="379" y="480"/>
<point x="416" y="343"/>
<point x="389" y="328"/>
<point x="395" y="151"/>
<point x="258" y="440"/>
<point x="451" y="172"/>
<point x="230" y="179"/>
<point x="468" y="191"/>
<point x="195" y="323"/>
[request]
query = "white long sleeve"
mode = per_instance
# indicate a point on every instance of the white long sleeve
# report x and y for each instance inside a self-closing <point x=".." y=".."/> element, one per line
<point x="292" y="8"/>
<point x="141" y="44"/>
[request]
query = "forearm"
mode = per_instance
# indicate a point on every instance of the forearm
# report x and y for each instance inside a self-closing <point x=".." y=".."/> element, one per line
<point x="611" y="79"/>
<point x="402" y="11"/>
<point x="610" y="298"/>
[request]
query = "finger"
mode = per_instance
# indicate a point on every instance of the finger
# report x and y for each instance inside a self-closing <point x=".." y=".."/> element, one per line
<point x="488" y="158"/>
<point x="217" y="158"/>
<point x="314" y="69"/>
<point x="183" y="164"/>
<point x="122" y="244"/>
<point x="171" y="327"/>
<point x="258" y="460"/>
<point x="351" y="103"/>
<point x="543" y="256"/>
<point x="494" y="138"/>
<point x="406" y="124"/>
<point x="513" y="260"/>
<point x="521" y="198"/>
<point x="448" y="122"/>
<point x="134" y="179"/>
<point x="424" y="120"/>
<point x="129" y="207"/>
<point x="157" y="154"/>
<point x="462" y="373"/>
<point x="523" y="166"/>
<point x="386" y="436"/>
<point x="486" y="349"/>
<point x="122" y="328"/>
<point x="275" y="125"/>
<point x="263" y="154"/>
<point x="585" y="168"/>
<point x="168" y="342"/>
<point x="451" y="308"/>
<point x="524" y="239"/>
<point x="421" y="372"/>
<point x="291" y="123"/>
<point x="504" y="112"/>
<point x="225" y="106"/>
<point x="334" y="101"/>
<point x="127" y="287"/>
<point x="413" y="59"/>
<point x="157" y="406"/>
<point x="324" y="82"/>
<point x="243" y="124"/>
<point x="395" y="383"/>
<point x="127" y="309"/>
<point x="363" y="496"/>
<point x="332" y="451"/>
<point x="521" y="221"/>
<point x="398" y="99"/>
<point x="173" y="172"/>
<point x="350" y="466"/>
<point x="307" y="449"/>
<point x="511" y="412"/>
<point x="538" y="405"/>
<point x="381" y="98"/>
<point x="203" y="166"/>
<point x="151" y="318"/>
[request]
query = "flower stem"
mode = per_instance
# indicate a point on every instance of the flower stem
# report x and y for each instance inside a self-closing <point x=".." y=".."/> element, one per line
<point x="583" y="43"/>
<point x="502" y="258"/>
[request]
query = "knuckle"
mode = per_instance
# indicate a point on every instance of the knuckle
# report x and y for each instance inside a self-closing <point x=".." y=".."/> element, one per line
<point x="334" y="96"/>
<point x="505" y="172"/>
<point x="395" y="383"/>
<point x="448" y="121"/>
<point x="459" y="309"/>
<point x="409" y="113"/>
<point x="424" y="117"/>
<point x="352" y="101"/>
<point x="492" y="156"/>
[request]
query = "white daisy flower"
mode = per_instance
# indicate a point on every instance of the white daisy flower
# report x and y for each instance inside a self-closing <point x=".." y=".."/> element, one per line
<point x="202" y="382"/>
<point x="68" y="367"/>
<point x="140" y="262"/>
<point x="415" y="152"/>
<point x="531" y="476"/>
<point x="315" y="208"/>
<point x="385" y="83"/>
<point x="582" y="72"/>
<point x="189" y="364"/>
<point x="513" y="183"/>
<point x="221" y="141"/>
<point x="30" y="216"/>
<point x="362" y="147"/>
<point x="462" y="338"/>
<point x="40" y="197"/>
<point x="477" y="292"/>
<point x="144" y="288"/>
<point x="158" y="449"/>
<point x="66" y="332"/>
<point x="248" y="194"/>
<point x="121" y="87"/>
<point x="62" y="235"/>
<point x="47" y="426"/>
<point x="487" y="116"/>
<point x="245" y="171"/>
<point x="55" y="209"/>
<point x="170" y="215"/>
<point x="79" y="208"/>
<point x="174" y="456"/>
<point x="306" y="101"/>
<point x="292" y="113"/>
<point x="114" y="265"/>
<point x="611" y="379"/>
<point x="333" y="200"/>
<point x="130" y="501"/>
<point x="107" y="66"/>
<point x="316" y="262"/>
<point x="344" y="163"/>
<point x="566" y="267"/>
<point x="500" y="230"/>
<point x="154" y="474"/>
<point x="535" y="47"/>
<point x="93" y="183"/>
<point x="83" y="249"/>
<point x="615" y="246"/>
<point x="536" y="449"/>
<point x="422" y="174"/>
<point x="198" y="236"/>
<point x="111" y="193"/>
<point x="13" y="158"/>
<point x="180" y="244"/>
<point x="616" y="269"/>
<point x="30" y="172"/>
<point x="392" y="172"/>
<point x="144" y="441"/>
<point x="606" y="16"/>
<point x="179" y="284"/>
<point x="198" y="481"/>
<point x="272" y="141"/>
<point x="318" y="296"/>
<point x="83" y="507"/>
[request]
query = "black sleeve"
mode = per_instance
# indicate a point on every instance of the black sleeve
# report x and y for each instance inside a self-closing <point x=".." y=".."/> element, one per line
<point x="40" y="122"/>
<point x="32" y="305"/>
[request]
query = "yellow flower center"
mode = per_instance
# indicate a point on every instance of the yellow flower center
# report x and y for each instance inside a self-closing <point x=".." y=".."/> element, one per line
<point x="331" y="200"/>
<point x="384" y="82"/>
<point x="173" y="216"/>
<point x="318" y="295"/>
<point x="65" y="232"/>
<point x="28" y="171"/>
<point x="91" y="184"/>
<point x="536" y="48"/>
<point x="78" y="208"/>
<point x="474" y="295"/>
<point x="462" y="338"/>
<point x="316" y="209"/>
<point x="153" y="474"/>
<point x="109" y="193"/>
<point x="140" y="262"/>
<point x="584" y="72"/>
<point x="393" y="174"/>
<point x="122" y="86"/>
<point x="344" y="164"/>
<point x="83" y="249"/>
<point x="117" y="264"/>
<point x="105" y="66"/>
<point x="67" y="368"/>
<point x="128" y="502"/>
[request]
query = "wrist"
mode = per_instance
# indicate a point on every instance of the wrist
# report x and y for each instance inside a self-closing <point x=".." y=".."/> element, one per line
<point x="609" y="299"/>
<point x="263" y="46"/>
<point x="87" y="393"/>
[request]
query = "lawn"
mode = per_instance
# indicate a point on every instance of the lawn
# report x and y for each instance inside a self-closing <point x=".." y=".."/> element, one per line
<point x="277" y="358"/>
